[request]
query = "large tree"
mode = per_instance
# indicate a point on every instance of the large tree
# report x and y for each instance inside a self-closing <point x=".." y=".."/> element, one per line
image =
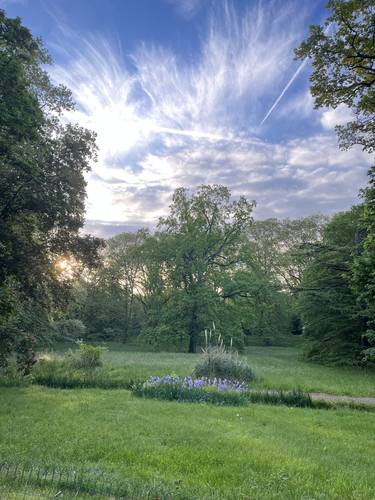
<point x="42" y="185"/>
<point x="196" y="251"/>
<point x="342" y="52"/>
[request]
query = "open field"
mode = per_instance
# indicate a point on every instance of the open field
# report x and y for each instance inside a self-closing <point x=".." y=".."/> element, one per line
<point x="275" y="368"/>
<point x="181" y="450"/>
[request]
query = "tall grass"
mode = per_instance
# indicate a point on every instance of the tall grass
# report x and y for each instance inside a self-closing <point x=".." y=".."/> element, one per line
<point x="295" y="398"/>
<point x="217" y="361"/>
<point x="61" y="374"/>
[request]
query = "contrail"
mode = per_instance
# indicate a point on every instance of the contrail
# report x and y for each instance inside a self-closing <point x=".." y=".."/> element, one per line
<point x="298" y="71"/>
<point x="327" y="29"/>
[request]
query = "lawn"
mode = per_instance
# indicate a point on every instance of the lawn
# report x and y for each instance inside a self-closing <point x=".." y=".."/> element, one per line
<point x="195" y="451"/>
<point x="181" y="450"/>
<point x="275" y="368"/>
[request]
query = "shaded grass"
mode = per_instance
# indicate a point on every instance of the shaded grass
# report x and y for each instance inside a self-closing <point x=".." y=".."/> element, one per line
<point x="208" y="451"/>
<point x="283" y="368"/>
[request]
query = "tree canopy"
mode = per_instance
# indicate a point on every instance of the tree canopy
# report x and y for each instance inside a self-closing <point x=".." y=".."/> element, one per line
<point x="42" y="184"/>
<point x="342" y="51"/>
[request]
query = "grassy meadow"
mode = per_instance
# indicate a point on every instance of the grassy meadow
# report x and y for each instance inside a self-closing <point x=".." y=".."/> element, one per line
<point x="185" y="450"/>
<point x="275" y="368"/>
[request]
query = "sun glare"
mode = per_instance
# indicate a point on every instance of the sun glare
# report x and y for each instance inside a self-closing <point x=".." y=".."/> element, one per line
<point x="65" y="267"/>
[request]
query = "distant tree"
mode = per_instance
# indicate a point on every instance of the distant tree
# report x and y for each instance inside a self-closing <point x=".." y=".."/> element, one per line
<point x="42" y="184"/>
<point x="277" y="247"/>
<point x="111" y="308"/>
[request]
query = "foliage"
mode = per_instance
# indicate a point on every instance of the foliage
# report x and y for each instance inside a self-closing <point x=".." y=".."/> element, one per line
<point x="195" y="246"/>
<point x="276" y="247"/>
<point x="43" y="161"/>
<point x="364" y="268"/>
<point x="343" y="55"/>
<point x="11" y="376"/>
<point x="111" y="306"/>
<point x="88" y="356"/>
<point x="217" y="361"/>
<point x="330" y="313"/>
<point x="69" y="329"/>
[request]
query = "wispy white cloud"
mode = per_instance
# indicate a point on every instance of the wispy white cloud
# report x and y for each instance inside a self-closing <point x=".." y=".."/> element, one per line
<point x="187" y="8"/>
<point x="338" y="116"/>
<point x="164" y="122"/>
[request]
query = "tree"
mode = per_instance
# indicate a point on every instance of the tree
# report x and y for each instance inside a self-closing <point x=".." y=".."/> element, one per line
<point x="328" y="306"/>
<point x="111" y="308"/>
<point x="275" y="255"/>
<point x="196" y="247"/>
<point x="342" y="51"/>
<point x="343" y="58"/>
<point x="277" y="247"/>
<point x="42" y="184"/>
<point x="364" y="268"/>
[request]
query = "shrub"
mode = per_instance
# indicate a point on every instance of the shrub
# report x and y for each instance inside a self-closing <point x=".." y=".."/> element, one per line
<point x="69" y="329"/>
<point x="12" y="376"/>
<point x="217" y="362"/>
<point x="221" y="392"/>
<point x="88" y="356"/>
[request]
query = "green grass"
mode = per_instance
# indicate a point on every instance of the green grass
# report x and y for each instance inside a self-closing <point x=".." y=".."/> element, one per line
<point x="283" y="368"/>
<point x="275" y="368"/>
<point x="209" y="452"/>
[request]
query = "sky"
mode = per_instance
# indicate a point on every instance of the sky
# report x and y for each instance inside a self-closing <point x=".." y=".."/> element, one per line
<point x="191" y="92"/>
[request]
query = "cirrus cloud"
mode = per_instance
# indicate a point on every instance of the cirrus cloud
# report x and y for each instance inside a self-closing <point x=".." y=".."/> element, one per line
<point x="164" y="121"/>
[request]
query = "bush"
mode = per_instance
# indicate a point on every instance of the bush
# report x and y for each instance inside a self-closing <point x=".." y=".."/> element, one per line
<point x="12" y="376"/>
<point x="217" y="362"/>
<point x="220" y="392"/>
<point x="69" y="329"/>
<point x="88" y="356"/>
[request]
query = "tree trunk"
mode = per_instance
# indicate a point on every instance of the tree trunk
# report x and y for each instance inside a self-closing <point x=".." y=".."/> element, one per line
<point x="192" y="344"/>
<point x="193" y="331"/>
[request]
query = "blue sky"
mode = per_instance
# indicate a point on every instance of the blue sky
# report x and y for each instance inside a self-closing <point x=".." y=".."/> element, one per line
<point x="180" y="92"/>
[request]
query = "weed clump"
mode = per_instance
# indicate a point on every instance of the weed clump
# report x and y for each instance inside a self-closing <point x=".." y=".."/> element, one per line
<point x="218" y="362"/>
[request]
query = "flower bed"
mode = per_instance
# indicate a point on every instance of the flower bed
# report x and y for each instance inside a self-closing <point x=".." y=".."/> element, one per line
<point x="202" y="390"/>
<point x="216" y="391"/>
